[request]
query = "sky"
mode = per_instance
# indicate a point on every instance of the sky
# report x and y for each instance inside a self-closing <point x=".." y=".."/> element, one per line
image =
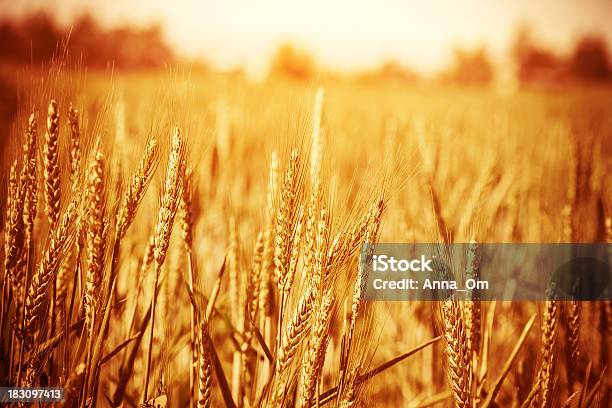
<point x="342" y="34"/>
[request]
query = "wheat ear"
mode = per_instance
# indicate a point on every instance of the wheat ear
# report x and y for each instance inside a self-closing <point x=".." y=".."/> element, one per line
<point x="205" y="371"/>
<point x="572" y="336"/>
<point x="95" y="235"/>
<point x="30" y="179"/>
<point x="295" y="331"/>
<point x="314" y="356"/>
<point x="19" y="218"/>
<point x="285" y="222"/>
<point x="11" y="229"/>
<point x="51" y="162"/>
<point x="457" y="354"/>
<point x="549" y="331"/>
<point x="137" y="187"/>
<point x="75" y="144"/>
<point x="45" y="273"/>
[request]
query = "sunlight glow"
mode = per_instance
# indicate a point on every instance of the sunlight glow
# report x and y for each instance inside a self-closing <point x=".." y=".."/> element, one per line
<point x="343" y="34"/>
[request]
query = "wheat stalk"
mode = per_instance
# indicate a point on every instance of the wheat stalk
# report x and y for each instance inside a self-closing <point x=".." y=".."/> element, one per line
<point x="45" y="273"/>
<point x="572" y="335"/>
<point x="349" y="398"/>
<point x="137" y="187"/>
<point x="314" y="355"/>
<point x="186" y="218"/>
<point x="75" y="144"/>
<point x="254" y="281"/>
<point x="457" y="354"/>
<point x="170" y="197"/>
<point x="549" y="330"/>
<point x="30" y="180"/>
<point x="21" y="194"/>
<point x="321" y="249"/>
<point x="63" y="282"/>
<point x="473" y="307"/>
<point x="163" y="228"/>
<point x="473" y="316"/>
<point x="95" y="226"/>
<point x="370" y="236"/>
<point x="51" y="165"/>
<point x="251" y="312"/>
<point x="295" y="331"/>
<point x="295" y="250"/>
<point x="285" y="222"/>
<point x="267" y="262"/>
<point x="205" y="371"/>
<point x="234" y="273"/>
<point x="235" y="296"/>
<point x="11" y="229"/>
<point x="186" y="208"/>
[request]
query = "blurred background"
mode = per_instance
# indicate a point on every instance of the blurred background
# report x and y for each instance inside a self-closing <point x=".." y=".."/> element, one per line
<point x="505" y="46"/>
<point x="475" y="41"/>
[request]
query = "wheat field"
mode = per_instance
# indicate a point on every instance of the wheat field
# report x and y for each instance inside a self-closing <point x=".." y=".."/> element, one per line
<point x="193" y="240"/>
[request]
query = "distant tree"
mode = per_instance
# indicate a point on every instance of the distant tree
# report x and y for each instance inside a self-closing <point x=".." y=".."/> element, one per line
<point x="8" y="108"/>
<point x="127" y="47"/>
<point x="10" y="44"/>
<point x="84" y="33"/>
<point x="34" y="38"/>
<point x="470" y="67"/>
<point x="37" y="37"/>
<point x="140" y="48"/>
<point x="522" y="44"/>
<point x="538" y="64"/>
<point x="589" y="61"/>
<point x="534" y="63"/>
<point x="291" y="62"/>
